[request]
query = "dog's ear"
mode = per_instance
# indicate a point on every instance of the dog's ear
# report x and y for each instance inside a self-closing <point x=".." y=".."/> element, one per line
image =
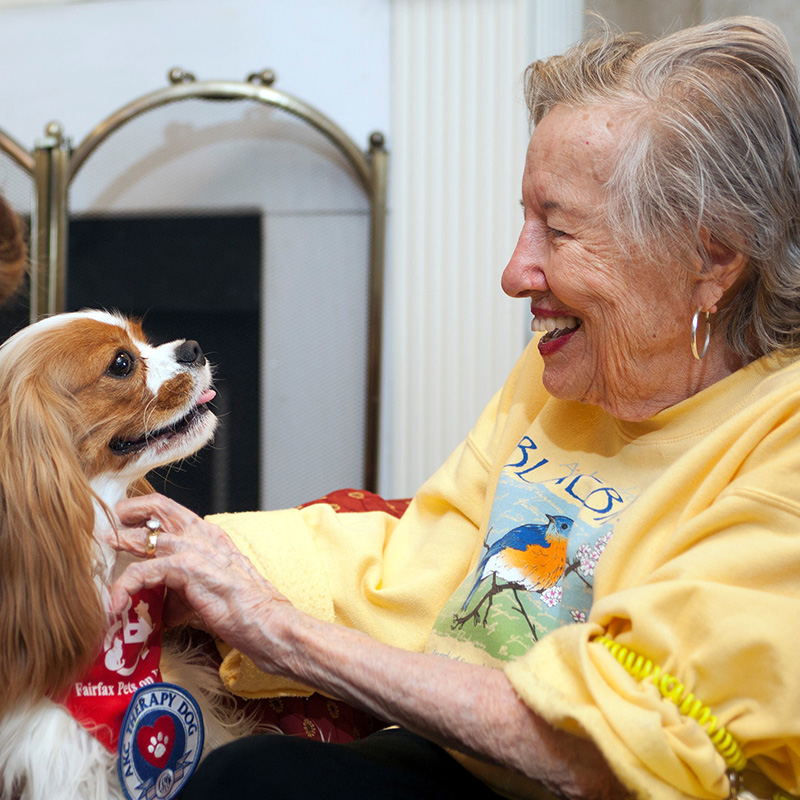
<point x="51" y="615"/>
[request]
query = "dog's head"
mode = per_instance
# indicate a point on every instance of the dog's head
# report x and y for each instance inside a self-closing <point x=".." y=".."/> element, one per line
<point x="87" y="407"/>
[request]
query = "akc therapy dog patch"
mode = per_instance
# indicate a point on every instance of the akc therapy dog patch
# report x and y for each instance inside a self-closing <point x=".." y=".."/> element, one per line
<point x="161" y="742"/>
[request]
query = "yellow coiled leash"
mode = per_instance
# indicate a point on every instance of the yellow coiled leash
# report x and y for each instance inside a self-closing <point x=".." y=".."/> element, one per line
<point x="671" y="688"/>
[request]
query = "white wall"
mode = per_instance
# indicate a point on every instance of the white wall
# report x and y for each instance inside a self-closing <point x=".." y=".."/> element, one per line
<point x="76" y="62"/>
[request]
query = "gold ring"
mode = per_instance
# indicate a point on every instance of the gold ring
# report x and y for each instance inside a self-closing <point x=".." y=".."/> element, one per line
<point x="153" y="529"/>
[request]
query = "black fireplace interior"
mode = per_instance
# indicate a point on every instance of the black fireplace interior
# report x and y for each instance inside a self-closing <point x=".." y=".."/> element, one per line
<point x="190" y="276"/>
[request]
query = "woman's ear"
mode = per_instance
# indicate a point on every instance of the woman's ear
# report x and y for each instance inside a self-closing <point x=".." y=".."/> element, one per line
<point x="721" y="268"/>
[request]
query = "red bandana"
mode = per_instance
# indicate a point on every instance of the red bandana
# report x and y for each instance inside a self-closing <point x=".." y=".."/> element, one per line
<point x="129" y="660"/>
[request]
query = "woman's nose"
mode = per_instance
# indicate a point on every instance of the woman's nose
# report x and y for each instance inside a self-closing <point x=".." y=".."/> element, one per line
<point x="524" y="274"/>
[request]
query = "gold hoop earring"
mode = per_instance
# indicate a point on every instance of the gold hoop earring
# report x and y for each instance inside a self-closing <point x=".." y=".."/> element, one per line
<point x="698" y="354"/>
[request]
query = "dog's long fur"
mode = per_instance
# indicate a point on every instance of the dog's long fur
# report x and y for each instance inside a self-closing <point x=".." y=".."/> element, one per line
<point x="63" y="400"/>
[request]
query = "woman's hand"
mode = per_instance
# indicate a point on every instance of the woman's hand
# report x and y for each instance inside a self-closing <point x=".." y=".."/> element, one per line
<point x="206" y="575"/>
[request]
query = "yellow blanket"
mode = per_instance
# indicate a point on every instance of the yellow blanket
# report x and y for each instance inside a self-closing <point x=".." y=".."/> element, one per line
<point x="239" y="674"/>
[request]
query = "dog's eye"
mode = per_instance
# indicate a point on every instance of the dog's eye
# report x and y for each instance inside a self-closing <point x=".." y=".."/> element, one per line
<point x="122" y="365"/>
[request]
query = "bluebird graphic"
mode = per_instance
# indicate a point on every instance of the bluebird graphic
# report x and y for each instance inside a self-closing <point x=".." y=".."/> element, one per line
<point x="531" y="556"/>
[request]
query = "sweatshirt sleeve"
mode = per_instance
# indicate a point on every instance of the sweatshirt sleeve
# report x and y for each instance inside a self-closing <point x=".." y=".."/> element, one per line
<point x="386" y="577"/>
<point x="718" y="615"/>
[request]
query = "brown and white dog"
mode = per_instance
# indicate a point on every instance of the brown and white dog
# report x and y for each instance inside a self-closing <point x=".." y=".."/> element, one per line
<point x="87" y="408"/>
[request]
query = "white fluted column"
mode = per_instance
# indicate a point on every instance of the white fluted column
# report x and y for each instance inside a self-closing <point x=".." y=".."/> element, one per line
<point x="459" y="134"/>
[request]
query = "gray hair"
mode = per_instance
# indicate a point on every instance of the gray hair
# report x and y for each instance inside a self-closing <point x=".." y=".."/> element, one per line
<point x="714" y="145"/>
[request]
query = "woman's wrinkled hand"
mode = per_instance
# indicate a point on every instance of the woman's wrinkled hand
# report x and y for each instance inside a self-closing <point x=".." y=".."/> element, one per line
<point x="207" y="576"/>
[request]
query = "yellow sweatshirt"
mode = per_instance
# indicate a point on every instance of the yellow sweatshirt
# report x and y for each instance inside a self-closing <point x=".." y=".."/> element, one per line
<point x="677" y="537"/>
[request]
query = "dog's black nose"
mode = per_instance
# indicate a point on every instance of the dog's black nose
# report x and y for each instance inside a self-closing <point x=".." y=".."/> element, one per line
<point x="189" y="353"/>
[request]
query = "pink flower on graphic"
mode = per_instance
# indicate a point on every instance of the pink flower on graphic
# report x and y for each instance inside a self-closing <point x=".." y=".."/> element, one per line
<point x="589" y="555"/>
<point x="552" y="596"/>
<point x="578" y="616"/>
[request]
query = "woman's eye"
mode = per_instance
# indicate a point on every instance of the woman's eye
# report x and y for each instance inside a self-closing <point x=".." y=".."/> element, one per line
<point x="122" y="365"/>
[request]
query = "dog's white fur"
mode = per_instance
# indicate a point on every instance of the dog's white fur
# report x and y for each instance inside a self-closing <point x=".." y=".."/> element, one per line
<point x="44" y="753"/>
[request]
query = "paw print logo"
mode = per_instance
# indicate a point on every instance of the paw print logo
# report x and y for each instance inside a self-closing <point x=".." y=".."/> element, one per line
<point x="158" y="745"/>
<point x="155" y="742"/>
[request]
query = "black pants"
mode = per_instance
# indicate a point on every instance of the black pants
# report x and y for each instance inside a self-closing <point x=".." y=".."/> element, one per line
<point x="391" y="764"/>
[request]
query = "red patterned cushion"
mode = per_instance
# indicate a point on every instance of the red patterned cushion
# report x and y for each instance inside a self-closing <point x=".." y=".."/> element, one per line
<point x="314" y="717"/>
<point x="360" y="500"/>
<point x="318" y="717"/>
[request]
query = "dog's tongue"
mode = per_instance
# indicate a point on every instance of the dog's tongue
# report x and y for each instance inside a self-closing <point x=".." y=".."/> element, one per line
<point x="208" y="394"/>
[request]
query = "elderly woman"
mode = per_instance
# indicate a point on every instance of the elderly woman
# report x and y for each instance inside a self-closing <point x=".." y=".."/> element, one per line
<point x="597" y="594"/>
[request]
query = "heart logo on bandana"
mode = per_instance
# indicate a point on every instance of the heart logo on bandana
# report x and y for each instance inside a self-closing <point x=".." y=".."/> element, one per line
<point x="155" y="741"/>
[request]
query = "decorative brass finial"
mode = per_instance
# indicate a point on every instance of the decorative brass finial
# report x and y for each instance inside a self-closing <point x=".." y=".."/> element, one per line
<point x="55" y="130"/>
<point x="266" y="77"/>
<point x="177" y="75"/>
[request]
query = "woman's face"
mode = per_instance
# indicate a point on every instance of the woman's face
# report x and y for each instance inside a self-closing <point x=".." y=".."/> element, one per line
<point x="621" y="336"/>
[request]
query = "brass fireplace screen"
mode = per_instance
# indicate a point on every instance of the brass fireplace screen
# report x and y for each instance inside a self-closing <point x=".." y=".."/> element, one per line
<point x="235" y="214"/>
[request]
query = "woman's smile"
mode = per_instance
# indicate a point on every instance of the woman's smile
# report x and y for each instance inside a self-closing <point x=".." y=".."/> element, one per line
<point x="558" y="330"/>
